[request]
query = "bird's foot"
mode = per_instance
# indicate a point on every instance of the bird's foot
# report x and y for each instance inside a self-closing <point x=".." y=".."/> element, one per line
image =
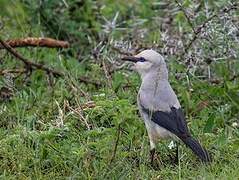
<point x="155" y="159"/>
<point x="152" y="154"/>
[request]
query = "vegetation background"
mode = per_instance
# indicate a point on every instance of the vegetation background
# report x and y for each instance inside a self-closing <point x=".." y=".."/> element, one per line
<point x="85" y="125"/>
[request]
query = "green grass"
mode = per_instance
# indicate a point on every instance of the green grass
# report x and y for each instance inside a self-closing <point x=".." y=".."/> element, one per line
<point x="46" y="131"/>
<point x="33" y="145"/>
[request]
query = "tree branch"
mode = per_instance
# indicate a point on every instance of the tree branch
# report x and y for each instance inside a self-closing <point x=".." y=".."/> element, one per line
<point x="198" y="30"/>
<point x="36" y="42"/>
<point x="30" y="64"/>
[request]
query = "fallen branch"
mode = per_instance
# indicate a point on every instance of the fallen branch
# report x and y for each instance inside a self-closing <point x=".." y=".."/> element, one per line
<point x="30" y="64"/>
<point x="36" y="42"/>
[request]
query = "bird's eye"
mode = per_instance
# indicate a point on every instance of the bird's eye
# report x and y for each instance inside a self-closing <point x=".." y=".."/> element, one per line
<point x="141" y="59"/>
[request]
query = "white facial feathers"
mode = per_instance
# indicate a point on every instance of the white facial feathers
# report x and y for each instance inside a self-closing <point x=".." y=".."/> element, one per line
<point x="151" y="56"/>
<point x="153" y="63"/>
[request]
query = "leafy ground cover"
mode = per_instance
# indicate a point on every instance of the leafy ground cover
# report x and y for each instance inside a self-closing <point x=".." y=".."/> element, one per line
<point x="59" y="128"/>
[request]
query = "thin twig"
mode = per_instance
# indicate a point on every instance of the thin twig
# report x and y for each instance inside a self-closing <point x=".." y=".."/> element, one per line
<point x="198" y="30"/>
<point x="107" y="75"/>
<point x="30" y="64"/>
<point x="12" y="71"/>
<point x="116" y="143"/>
<point x="121" y="51"/>
<point x="218" y="81"/>
<point x="86" y="80"/>
<point x="78" y="112"/>
<point x="186" y="15"/>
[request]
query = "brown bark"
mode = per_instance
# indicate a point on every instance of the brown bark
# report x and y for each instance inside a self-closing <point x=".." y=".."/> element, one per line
<point x="31" y="65"/>
<point x="36" y="42"/>
<point x="28" y="63"/>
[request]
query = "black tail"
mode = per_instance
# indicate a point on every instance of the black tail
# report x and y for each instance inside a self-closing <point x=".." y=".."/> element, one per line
<point x="195" y="146"/>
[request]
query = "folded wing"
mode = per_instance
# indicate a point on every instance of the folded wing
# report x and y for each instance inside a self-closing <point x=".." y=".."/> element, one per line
<point x="174" y="121"/>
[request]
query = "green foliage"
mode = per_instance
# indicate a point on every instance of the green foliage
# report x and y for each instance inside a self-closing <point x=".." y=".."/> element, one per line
<point x="46" y="132"/>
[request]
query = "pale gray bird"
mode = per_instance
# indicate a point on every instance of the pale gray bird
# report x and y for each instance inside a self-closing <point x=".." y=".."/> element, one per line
<point x="159" y="105"/>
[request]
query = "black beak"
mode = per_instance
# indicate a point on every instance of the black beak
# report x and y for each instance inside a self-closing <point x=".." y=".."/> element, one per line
<point x="131" y="58"/>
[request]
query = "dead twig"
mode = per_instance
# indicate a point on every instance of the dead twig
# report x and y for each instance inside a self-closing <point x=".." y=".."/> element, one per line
<point x="88" y="105"/>
<point x="32" y="65"/>
<point x="121" y="51"/>
<point x="29" y="64"/>
<point x="219" y="81"/>
<point x="199" y="107"/>
<point x="12" y="71"/>
<point x="78" y="112"/>
<point x="86" y="80"/>
<point x="36" y="42"/>
<point x="107" y="74"/>
<point x="116" y="143"/>
<point x="197" y="31"/>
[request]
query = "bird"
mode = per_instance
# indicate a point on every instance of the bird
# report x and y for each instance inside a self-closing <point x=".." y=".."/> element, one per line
<point x="159" y="106"/>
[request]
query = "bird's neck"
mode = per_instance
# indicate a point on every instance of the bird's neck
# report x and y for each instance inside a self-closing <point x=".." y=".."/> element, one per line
<point x="156" y="74"/>
<point x="154" y="78"/>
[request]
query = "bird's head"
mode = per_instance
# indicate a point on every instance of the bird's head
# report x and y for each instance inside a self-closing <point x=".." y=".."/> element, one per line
<point x="146" y="61"/>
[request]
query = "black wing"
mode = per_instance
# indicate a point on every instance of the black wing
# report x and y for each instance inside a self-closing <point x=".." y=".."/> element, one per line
<point x="174" y="121"/>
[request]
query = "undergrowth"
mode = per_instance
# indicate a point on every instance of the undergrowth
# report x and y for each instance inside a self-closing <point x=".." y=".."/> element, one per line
<point x="60" y="128"/>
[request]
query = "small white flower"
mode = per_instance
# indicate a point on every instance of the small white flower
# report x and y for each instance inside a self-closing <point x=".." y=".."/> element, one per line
<point x="172" y="144"/>
<point x="235" y="125"/>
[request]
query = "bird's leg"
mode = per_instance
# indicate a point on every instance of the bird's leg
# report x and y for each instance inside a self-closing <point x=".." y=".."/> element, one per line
<point x="153" y="156"/>
<point x="152" y="153"/>
<point x="152" y="142"/>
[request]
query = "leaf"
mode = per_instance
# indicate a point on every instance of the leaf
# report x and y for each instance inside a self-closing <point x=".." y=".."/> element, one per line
<point x="234" y="97"/>
<point x="186" y="3"/>
<point x="222" y="139"/>
<point x="209" y="124"/>
<point x="44" y="153"/>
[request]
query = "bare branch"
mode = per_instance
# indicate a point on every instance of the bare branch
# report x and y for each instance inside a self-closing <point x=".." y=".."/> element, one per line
<point x="199" y="29"/>
<point x="30" y="64"/>
<point x="36" y="42"/>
